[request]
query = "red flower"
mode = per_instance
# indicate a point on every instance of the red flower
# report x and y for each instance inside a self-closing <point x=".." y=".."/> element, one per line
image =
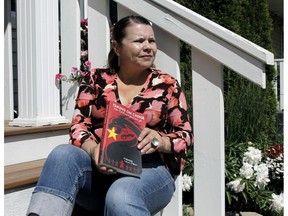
<point x="87" y="63"/>
<point x="275" y="150"/>
<point x="58" y="76"/>
<point x="74" y="69"/>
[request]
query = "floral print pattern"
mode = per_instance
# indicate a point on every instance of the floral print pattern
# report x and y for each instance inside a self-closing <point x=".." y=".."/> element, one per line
<point x="161" y="99"/>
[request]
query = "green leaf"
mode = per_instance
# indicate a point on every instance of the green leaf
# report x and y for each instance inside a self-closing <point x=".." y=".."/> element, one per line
<point x="245" y="197"/>
<point x="229" y="197"/>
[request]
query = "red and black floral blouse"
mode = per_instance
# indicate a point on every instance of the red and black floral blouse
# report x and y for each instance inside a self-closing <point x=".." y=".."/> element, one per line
<point x="161" y="99"/>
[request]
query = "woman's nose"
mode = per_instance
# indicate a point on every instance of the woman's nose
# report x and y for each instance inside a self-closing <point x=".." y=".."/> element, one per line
<point x="146" y="45"/>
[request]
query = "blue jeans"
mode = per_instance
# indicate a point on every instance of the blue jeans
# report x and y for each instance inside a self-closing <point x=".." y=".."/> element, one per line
<point x="69" y="177"/>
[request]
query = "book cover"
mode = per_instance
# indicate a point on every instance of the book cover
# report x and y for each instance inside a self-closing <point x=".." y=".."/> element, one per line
<point x="121" y="129"/>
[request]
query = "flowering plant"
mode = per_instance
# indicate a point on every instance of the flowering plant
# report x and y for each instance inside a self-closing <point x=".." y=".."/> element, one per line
<point x="76" y="74"/>
<point x="186" y="182"/>
<point x="255" y="182"/>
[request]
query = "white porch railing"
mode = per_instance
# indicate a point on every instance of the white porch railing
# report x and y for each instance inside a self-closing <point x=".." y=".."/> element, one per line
<point x="212" y="48"/>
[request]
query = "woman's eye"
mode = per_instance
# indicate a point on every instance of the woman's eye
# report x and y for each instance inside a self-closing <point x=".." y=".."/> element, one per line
<point x="139" y="41"/>
<point x="142" y="41"/>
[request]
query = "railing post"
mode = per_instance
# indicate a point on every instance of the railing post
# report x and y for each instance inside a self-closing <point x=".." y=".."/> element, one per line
<point x="208" y="118"/>
<point x="70" y="52"/>
<point x="99" y="32"/>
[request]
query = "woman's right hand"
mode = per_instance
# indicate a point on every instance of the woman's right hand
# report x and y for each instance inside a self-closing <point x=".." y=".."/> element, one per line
<point x="93" y="149"/>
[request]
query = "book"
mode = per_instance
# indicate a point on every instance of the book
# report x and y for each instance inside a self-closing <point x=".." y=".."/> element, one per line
<point x="118" y="146"/>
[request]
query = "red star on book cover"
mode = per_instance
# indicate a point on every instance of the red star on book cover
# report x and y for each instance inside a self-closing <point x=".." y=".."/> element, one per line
<point x="122" y="127"/>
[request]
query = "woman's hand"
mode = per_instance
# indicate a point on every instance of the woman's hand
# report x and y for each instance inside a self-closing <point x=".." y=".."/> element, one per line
<point x="93" y="149"/>
<point x="145" y="142"/>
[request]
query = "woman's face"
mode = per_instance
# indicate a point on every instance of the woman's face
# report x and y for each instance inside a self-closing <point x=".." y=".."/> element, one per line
<point x="138" y="48"/>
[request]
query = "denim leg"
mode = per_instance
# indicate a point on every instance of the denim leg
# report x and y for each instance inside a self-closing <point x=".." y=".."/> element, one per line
<point x="140" y="196"/>
<point x="69" y="176"/>
<point x="66" y="170"/>
<point x="58" y="206"/>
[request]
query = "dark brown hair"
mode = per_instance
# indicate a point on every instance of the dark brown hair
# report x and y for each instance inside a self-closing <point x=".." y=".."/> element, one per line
<point x="118" y="32"/>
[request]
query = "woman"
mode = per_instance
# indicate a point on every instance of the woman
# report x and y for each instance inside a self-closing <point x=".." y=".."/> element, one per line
<point x="71" y="174"/>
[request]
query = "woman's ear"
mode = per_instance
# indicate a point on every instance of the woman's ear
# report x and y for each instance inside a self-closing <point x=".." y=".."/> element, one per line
<point x="115" y="47"/>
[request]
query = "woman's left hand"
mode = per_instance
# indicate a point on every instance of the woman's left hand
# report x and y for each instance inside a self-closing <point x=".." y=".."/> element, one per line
<point x="146" y="141"/>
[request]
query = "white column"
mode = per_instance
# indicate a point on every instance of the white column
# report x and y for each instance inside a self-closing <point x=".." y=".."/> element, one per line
<point x="208" y="118"/>
<point x="70" y="52"/>
<point x="8" y="63"/>
<point x="38" y="62"/>
<point x="98" y="33"/>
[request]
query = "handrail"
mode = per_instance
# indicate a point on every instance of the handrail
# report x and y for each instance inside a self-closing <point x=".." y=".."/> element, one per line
<point x="217" y="30"/>
<point x="228" y="48"/>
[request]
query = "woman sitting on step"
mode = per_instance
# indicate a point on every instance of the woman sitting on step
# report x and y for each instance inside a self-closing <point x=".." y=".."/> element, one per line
<point x="72" y="176"/>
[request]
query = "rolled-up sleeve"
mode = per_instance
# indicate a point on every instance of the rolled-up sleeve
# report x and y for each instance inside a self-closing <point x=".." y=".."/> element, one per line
<point x="178" y="128"/>
<point x="80" y="130"/>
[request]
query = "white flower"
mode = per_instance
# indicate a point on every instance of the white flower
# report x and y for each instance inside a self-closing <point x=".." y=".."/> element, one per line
<point x="276" y="166"/>
<point x="277" y="202"/>
<point x="246" y="171"/>
<point x="186" y="182"/>
<point x="236" y="185"/>
<point x="252" y="156"/>
<point x="262" y="175"/>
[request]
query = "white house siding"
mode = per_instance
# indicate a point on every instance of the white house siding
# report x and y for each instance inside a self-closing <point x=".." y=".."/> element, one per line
<point x="278" y="39"/>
